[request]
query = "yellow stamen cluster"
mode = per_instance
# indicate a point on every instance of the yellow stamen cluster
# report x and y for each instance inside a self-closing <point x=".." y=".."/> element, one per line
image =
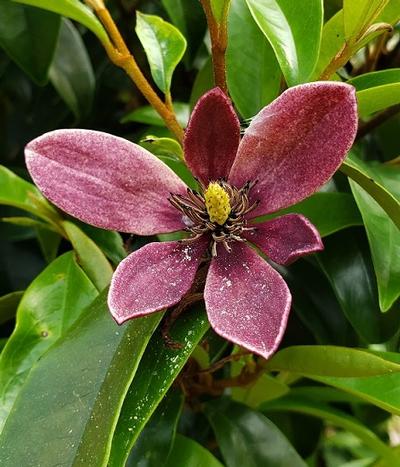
<point x="217" y="203"/>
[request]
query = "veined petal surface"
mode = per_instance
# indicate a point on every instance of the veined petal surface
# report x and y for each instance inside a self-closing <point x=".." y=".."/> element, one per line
<point x="212" y="137"/>
<point x="295" y="144"/>
<point x="286" y="238"/>
<point x="105" y="180"/>
<point x="154" y="277"/>
<point x="247" y="301"/>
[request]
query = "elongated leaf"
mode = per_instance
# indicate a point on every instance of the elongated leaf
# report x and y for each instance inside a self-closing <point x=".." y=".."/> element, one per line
<point x="164" y="46"/>
<point x="384" y="240"/>
<point x="67" y="412"/>
<point x="29" y="36"/>
<point x="189" y="453"/>
<point x="329" y="212"/>
<point x="157" y="439"/>
<point x="15" y="191"/>
<point x="247" y="438"/>
<point x="347" y="264"/>
<point x="158" y="369"/>
<point x="73" y="9"/>
<point x="265" y="388"/>
<point x="358" y="15"/>
<point x="377" y="90"/>
<point x="366" y="177"/>
<point x="294" y="36"/>
<point x="8" y="305"/>
<point x="71" y="72"/>
<point x="148" y="115"/>
<point x="90" y="257"/>
<point x="332" y="415"/>
<point x="49" y="242"/>
<point x="47" y="310"/>
<point x="253" y="72"/>
<point x="327" y="360"/>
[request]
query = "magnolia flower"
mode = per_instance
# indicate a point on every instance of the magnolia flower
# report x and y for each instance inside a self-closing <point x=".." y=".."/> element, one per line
<point x="292" y="147"/>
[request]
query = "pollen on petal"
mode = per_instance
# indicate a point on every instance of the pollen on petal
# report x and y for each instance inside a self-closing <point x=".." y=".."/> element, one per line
<point x="217" y="203"/>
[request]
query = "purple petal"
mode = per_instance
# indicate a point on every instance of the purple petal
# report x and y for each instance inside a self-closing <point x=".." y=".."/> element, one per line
<point x="105" y="181"/>
<point x="247" y="301"/>
<point x="212" y="137"/>
<point x="286" y="238"/>
<point x="153" y="278"/>
<point x="295" y="144"/>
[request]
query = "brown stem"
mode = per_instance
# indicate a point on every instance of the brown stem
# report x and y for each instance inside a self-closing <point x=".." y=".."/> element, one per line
<point x="221" y="363"/>
<point x="219" y="42"/>
<point x="377" y="120"/>
<point x="120" y="55"/>
<point x="340" y="59"/>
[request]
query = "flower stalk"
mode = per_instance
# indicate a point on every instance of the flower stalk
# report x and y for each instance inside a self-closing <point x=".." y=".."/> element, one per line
<point x="120" y="55"/>
<point x="219" y="42"/>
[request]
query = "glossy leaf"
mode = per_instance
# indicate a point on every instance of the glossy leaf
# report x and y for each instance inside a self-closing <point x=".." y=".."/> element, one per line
<point x="47" y="310"/>
<point x="163" y="147"/>
<point x="71" y="72"/>
<point x="49" y="242"/>
<point x="358" y="15"/>
<point x="384" y="240"/>
<point x="8" y="305"/>
<point x="90" y="257"/>
<point x="347" y="265"/>
<point x="265" y="388"/>
<point x="73" y="9"/>
<point x="15" y="191"/>
<point x="157" y="439"/>
<point x="253" y="72"/>
<point x="187" y="452"/>
<point x="294" y="36"/>
<point x="377" y="90"/>
<point x="327" y="360"/>
<point x="109" y="241"/>
<point x="329" y="212"/>
<point x="332" y="415"/>
<point x="164" y="46"/>
<point x="247" y="438"/>
<point x="149" y="116"/>
<point x="157" y="371"/>
<point x="365" y="176"/>
<point x="29" y="37"/>
<point x="67" y="412"/>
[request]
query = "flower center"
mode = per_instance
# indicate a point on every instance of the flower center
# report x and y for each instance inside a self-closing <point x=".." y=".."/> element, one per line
<point x="218" y="210"/>
<point x="217" y="203"/>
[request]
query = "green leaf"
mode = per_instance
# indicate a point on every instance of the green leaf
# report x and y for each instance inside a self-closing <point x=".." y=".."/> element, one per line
<point x="334" y="416"/>
<point x="294" y="36"/>
<point x="253" y="72"/>
<point x="157" y="371"/>
<point x="49" y="307"/>
<point x="68" y="407"/>
<point x="164" y="46"/>
<point x="90" y="257"/>
<point x="17" y="192"/>
<point x="329" y="212"/>
<point x="384" y="241"/>
<point x="163" y="147"/>
<point x="263" y="389"/>
<point x="71" y="72"/>
<point x="325" y="360"/>
<point x="8" y="305"/>
<point x="347" y="264"/>
<point x="157" y="439"/>
<point x="73" y="9"/>
<point x="29" y="36"/>
<point x="109" y="241"/>
<point x="49" y="242"/>
<point x="187" y="452"/>
<point x="358" y="15"/>
<point x="248" y="438"/>
<point x="377" y="90"/>
<point x="149" y="116"/>
<point x="204" y="82"/>
<point x="365" y="175"/>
